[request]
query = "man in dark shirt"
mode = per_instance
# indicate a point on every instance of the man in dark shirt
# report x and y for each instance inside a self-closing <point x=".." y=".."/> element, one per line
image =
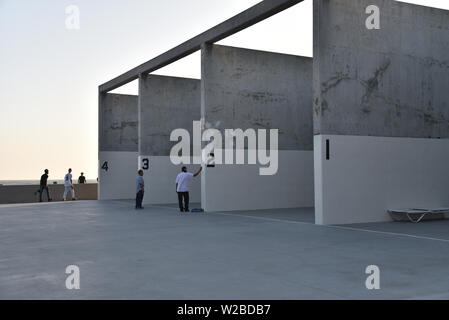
<point x="44" y="186"/>
<point x="82" y="179"/>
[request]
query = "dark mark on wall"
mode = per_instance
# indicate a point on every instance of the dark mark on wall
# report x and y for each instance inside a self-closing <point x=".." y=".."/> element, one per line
<point x="372" y="84"/>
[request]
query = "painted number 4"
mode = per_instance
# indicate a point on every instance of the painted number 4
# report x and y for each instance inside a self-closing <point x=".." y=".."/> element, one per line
<point x="105" y="166"/>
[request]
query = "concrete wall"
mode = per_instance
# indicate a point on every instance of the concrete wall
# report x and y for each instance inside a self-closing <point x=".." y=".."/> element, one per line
<point x="365" y="176"/>
<point x="118" y="146"/>
<point x="389" y="83"/>
<point x="119" y="181"/>
<point x="260" y="90"/>
<point x="30" y="193"/>
<point x="165" y="104"/>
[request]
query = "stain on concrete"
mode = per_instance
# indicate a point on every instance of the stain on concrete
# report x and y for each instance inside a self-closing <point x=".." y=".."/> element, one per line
<point x="372" y="83"/>
<point x="334" y="81"/>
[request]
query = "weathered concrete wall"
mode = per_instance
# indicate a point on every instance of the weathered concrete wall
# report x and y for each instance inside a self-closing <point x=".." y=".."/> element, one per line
<point x="30" y="193"/>
<point x="366" y="176"/>
<point x="379" y="95"/>
<point x="245" y="89"/>
<point x="166" y="104"/>
<point x="390" y="82"/>
<point x="118" y="146"/>
<point x="261" y="90"/>
<point x="118" y="119"/>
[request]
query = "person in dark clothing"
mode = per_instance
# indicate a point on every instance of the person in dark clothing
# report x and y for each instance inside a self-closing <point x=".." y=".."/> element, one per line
<point x="82" y="178"/>
<point x="44" y="186"/>
<point x="140" y="189"/>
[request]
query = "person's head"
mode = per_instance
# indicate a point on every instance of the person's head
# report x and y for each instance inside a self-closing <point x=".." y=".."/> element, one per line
<point x="82" y="173"/>
<point x="140" y="172"/>
<point x="184" y="169"/>
<point x="70" y="170"/>
<point x="46" y="171"/>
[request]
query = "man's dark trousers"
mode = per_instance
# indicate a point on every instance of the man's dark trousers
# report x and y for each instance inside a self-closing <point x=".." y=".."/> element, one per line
<point x="42" y="190"/>
<point x="139" y="199"/>
<point x="184" y="195"/>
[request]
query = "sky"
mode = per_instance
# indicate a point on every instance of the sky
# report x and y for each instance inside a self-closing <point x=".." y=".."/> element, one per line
<point x="49" y="74"/>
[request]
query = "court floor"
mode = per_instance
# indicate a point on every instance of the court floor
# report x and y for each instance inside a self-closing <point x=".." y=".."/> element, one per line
<point x="159" y="253"/>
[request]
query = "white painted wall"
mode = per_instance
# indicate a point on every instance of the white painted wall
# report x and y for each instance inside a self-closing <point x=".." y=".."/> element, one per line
<point x="119" y="182"/>
<point x="366" y="176"/>
<point x="160" y="181"/>
<point x="240" y="187"/>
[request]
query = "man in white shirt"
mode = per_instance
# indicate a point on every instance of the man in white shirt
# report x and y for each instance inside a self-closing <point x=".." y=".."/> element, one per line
<point x="68" y="185"/>
<point x="182" y="187"/>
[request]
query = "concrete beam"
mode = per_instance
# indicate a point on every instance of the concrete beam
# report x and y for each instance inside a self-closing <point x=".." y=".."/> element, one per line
<point x="243" y="20"/>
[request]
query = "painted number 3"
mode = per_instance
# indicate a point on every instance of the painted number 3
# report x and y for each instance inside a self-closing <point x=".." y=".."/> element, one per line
<point x="145" y="164"/>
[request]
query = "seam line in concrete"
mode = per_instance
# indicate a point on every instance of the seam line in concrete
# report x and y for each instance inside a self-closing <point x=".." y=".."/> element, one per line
<point x="262" y="218"/>
<point x="390" y="233"/>
<point x="340" y="227"/>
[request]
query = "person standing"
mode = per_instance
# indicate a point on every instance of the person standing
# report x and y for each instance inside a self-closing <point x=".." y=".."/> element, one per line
<point x="44" y="186"/>
<point x="140" y="189"/>
<point x="68" y="186"/>
<point x="182" y="187"/>
<point x="82" y="179"/>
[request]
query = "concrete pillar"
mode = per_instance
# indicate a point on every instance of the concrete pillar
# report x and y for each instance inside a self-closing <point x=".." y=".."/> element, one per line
<point x="118" y="148"/>
<point x="248" y="89"/>
<point x="165" y="104"/>
<point x="381" y="109"/>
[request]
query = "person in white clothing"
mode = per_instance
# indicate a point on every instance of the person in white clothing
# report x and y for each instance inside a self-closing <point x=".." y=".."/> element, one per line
<point x="182" y="187"/>
<point x="68" y="186"/>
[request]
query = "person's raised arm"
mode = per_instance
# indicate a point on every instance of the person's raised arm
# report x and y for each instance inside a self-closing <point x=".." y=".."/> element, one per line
<point x="198" y="172"/>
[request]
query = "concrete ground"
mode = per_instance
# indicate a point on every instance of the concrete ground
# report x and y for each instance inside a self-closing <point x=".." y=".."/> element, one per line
<point x="158" y="253"/>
